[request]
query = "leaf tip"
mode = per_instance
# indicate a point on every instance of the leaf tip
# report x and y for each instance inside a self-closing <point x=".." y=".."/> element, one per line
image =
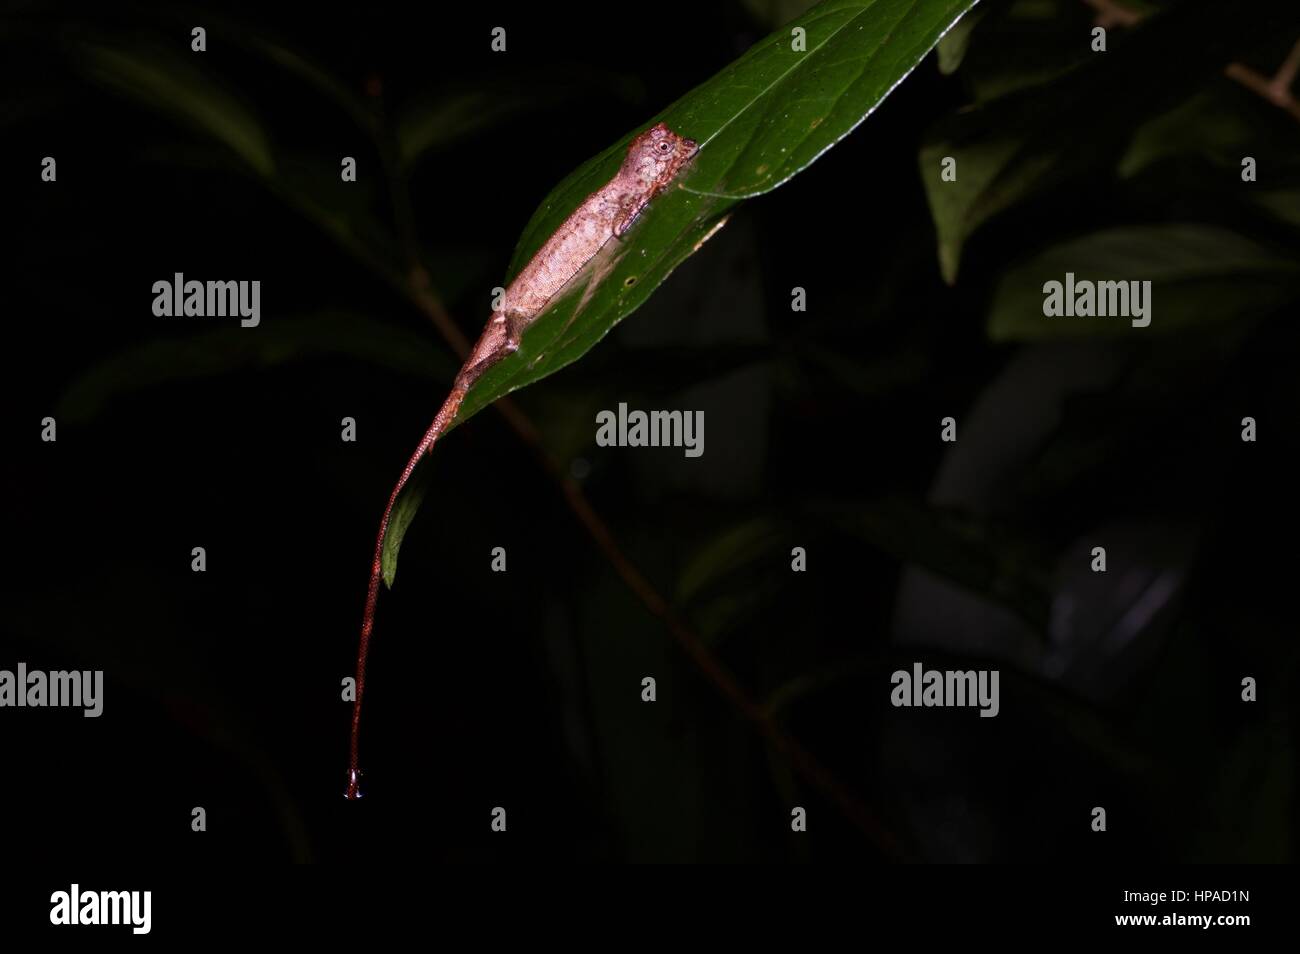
<point x="949" y="262"/>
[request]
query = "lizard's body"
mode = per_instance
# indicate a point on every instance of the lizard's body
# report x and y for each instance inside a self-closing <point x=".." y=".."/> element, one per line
<point x="653" y="160"/>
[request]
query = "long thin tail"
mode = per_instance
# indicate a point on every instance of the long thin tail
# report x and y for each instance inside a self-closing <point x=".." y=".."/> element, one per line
<point x="445" y="416"/>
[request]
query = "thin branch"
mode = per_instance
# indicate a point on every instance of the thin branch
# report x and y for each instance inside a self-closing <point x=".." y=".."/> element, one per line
<point x="1111" y="14"/>
<point x="1257" y="82"/>
<point x="1277" y="90"/>
<point x="384" y="137"/>
<point x="1286" y="73"/>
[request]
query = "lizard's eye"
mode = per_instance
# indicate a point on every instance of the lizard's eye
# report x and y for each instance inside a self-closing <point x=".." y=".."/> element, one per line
<point x="665" y="146"/>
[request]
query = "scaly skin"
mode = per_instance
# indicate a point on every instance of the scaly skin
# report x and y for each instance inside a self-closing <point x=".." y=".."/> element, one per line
<point x="653" y="160"/>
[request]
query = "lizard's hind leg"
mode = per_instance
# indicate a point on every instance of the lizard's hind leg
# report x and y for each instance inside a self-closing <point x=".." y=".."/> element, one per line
<point x="515" y="325"/>
<point x="500" y="338"/>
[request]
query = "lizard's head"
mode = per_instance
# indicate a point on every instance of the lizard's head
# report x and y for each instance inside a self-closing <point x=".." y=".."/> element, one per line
<point x="656" y="156"/>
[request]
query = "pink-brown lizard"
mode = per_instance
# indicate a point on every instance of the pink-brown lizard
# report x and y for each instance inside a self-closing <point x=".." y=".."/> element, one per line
<point x="653" y="160"/>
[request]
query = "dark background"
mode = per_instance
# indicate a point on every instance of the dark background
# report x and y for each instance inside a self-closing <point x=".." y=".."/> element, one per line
<point x="822" y="430"/>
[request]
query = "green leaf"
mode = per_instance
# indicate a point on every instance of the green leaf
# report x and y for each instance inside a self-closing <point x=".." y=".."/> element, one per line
<point x="1020" y="145"/>
<point x="736" y="547"/>
<point x="986" y="559"/>
<point x="1211" y="124"/>
<point x="450" y="116"/>
<point x="1282" y="204"/>
<point x="444" y="117"/>
<point x="759" y="122"/>
<point x="227" y="350"/>
<point x="1198" y="273"/>
<point x="952" y="48"/>
<point x="1222" y="125"/>
<point x="315" y="76"/>
<point x="1050" y="37"/>
<point x="752" y="563"/>
<point x="404" y="511"/>
<point x="163" y="80"/>
<point x="772" y="13"/>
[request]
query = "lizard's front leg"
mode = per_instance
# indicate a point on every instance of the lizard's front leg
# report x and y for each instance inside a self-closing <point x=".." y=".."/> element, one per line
<point x="630" y="208"/>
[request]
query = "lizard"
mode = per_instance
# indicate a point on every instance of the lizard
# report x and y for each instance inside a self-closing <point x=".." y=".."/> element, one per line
<point x="654" y="159"/>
